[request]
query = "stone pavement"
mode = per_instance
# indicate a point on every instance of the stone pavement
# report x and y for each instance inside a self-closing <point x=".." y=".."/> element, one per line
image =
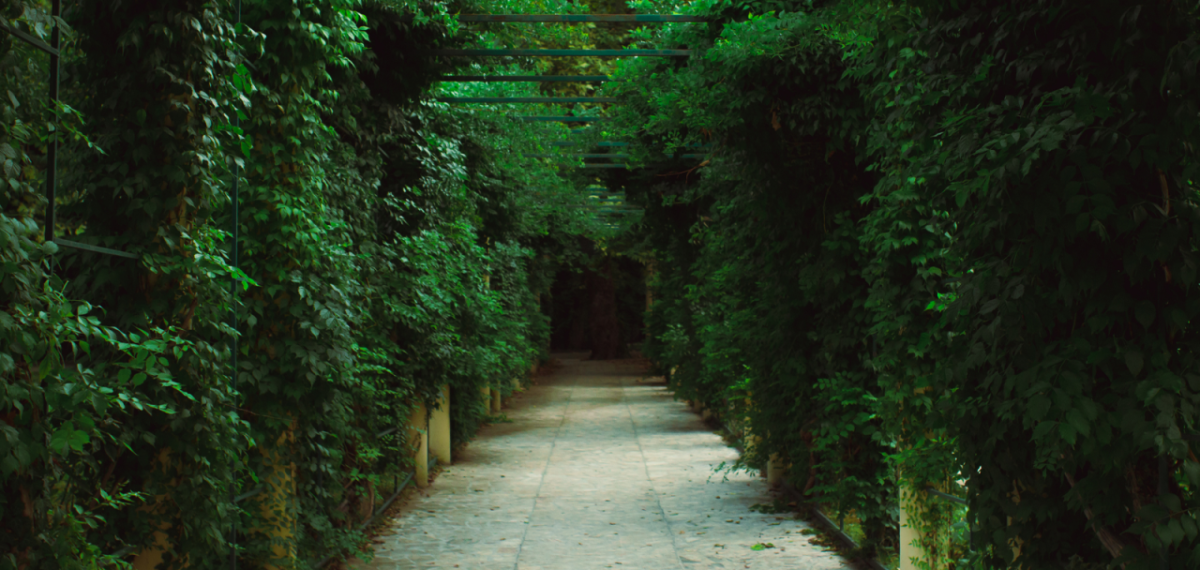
<point x="598" y="469"/>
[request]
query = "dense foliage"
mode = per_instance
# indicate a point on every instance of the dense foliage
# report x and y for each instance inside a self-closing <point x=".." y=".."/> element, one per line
<point x="962" y="236"/>
<point x="933" y="244"/>
<point x="386" y="246"/>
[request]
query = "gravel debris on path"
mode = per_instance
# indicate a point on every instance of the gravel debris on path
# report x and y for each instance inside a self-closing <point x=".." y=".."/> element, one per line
<point x="598" y="469"/>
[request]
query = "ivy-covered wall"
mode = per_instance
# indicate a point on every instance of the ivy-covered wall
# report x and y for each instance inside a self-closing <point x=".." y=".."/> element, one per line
<point x="940" y="242"/>
<point x="386" y="246"/>
<point x="934" y="243"/>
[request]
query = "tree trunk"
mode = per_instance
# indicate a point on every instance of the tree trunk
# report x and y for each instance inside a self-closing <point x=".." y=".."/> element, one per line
<point x="606" y="331"/>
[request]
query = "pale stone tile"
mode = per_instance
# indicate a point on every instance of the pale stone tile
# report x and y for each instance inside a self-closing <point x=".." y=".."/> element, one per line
<point x="596" y="471"/>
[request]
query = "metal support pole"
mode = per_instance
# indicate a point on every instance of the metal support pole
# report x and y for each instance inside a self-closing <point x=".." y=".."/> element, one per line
<point x="52" y="144"/>
<point x="1164" y="562"/>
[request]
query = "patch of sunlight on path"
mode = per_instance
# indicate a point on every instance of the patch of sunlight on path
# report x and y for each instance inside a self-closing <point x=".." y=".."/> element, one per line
<point x="596" y="470"/>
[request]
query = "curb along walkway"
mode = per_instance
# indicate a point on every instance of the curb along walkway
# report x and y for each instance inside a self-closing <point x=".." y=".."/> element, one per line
<point x="596" y="470"/>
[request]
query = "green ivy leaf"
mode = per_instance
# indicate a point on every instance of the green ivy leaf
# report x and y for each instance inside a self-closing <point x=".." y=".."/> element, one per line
<point x="1038" y="406"/>
<point x="67" y="437"/>
<point x="1133" y="359"/>
<point x="1078" y="421"/>
<point x="1043" y="429"/>
<point x="1144" y="312"/>
<point x="1153" y="512"/>
<point x="1067" y="432"/>
<point x="989" y="306"/>
<point x="1188" y="522"/>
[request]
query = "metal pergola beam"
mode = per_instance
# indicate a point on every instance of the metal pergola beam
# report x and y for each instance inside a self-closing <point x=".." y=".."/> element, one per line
<point x="571" y="18"/>
<point x="29" y="39"/>
<point x="614" y="143"/>
<point x="602" y="143"/>
<point x="604" y="209"/>
<point x="564" y="52"/>
<point x="544" y="155"/>
<point x="94" y="248"/>
<point x="582" y="155"/>
<point x="527" y="99"/>
<point x="526" y="78"/>
<point x="576" y="154"/>
<point x="563" y="119"/>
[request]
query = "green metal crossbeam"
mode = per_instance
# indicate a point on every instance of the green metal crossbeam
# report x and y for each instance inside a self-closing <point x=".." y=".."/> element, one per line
<point x="631" y="209"/>
<point x="29" y="39"/>
<point x="525" y="78"/>
<point x="602" y="143"/>
<point x="544" y="155"/>
<point x="527" y="99"/>
<point x="94" y="248"/>
<point x="565" y="52"/>
<point x="613" y="143"/>
<point x="563" y="119"/>
<point x="643" y="18"/>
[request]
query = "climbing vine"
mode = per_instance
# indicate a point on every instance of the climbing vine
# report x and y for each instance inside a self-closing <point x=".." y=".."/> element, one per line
<point x="930" y="244"/>
<point x="369" y="219"/>
<point x="1010" y="235"/>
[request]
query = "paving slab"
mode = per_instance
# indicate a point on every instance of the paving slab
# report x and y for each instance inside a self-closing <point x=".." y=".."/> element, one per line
<point x="599" y="468"/>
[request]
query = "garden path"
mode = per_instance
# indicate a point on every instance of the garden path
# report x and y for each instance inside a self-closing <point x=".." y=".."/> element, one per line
<point x="599" y="468"/>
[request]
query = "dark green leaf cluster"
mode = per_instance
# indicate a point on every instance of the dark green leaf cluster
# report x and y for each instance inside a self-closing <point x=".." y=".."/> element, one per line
<point x="969" y="232"/>
<point x="384" y="249"/>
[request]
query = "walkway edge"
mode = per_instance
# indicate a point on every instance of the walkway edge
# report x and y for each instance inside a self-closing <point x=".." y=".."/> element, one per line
<point x="820" y="515"/>
<point x="830" y="525"/>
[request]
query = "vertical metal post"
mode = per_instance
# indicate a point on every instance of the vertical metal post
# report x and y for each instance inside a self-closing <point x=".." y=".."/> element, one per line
<point x="52" y="144"/>
<point x="1164" y="562"/>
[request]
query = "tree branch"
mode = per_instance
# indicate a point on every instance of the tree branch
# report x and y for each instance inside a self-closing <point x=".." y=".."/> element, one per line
<point x="1110" y="541"/>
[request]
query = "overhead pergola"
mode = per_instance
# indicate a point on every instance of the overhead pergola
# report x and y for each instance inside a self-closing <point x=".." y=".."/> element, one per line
<point x="613" y="203"/>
